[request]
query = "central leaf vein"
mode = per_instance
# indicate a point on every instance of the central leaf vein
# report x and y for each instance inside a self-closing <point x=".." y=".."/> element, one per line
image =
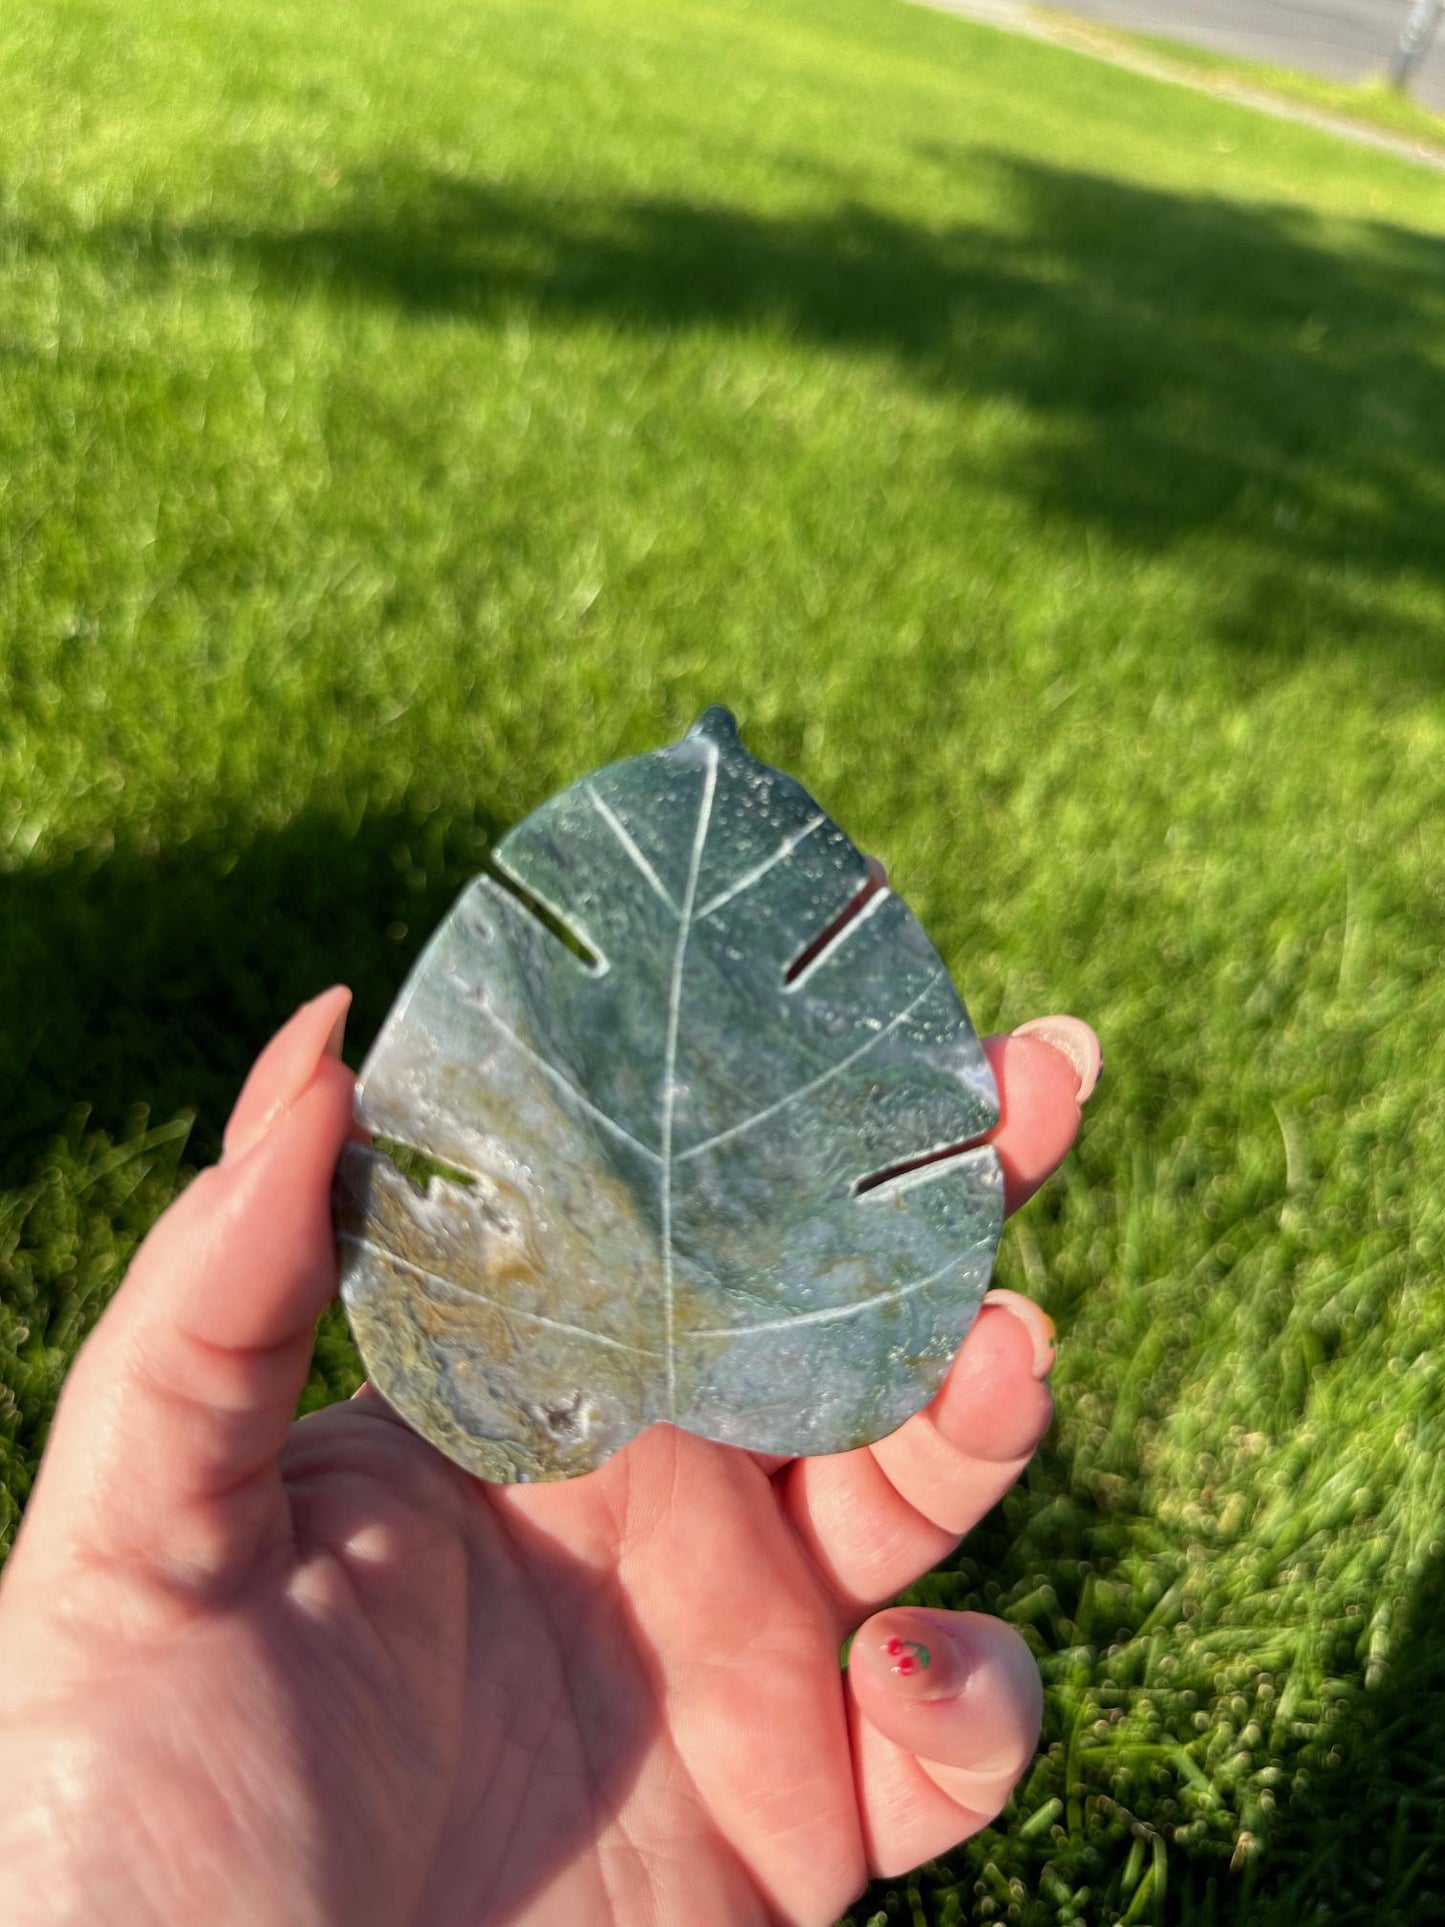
<point x="669" y="1065"/>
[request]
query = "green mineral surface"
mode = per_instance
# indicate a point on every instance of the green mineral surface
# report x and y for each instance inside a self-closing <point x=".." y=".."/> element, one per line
<point x="712" y="1160"/>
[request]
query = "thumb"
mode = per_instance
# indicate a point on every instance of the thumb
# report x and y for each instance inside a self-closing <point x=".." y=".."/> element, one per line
<point x="945" y="1711"/>
<point x="164" y="1446"/>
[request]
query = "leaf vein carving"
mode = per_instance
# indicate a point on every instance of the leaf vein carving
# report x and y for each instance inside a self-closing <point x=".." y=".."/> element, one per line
<point x="620" y="831"/>
<point x="464" y="1295"/>
<point x="759" y="870"/>
<point x="669" y="1065"/>
<point x="806" y="1090"/>
<point x="562" y="1081"/>
<point x="832" y="1313"/>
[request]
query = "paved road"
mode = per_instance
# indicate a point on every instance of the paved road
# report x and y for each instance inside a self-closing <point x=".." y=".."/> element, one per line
<point x="1341" y="39"/>
<point x="1050" y="23"/>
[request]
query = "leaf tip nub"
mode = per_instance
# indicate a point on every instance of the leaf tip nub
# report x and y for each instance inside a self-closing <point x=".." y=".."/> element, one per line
<point x="717" y="724"/>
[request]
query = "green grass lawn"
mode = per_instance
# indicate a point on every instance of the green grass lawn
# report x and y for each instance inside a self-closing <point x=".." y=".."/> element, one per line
<point x="405" y="408"/>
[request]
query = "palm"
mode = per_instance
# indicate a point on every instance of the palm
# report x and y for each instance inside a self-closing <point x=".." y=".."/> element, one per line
<point x="316" y="1672"/>
<point x="589" y="1676"/>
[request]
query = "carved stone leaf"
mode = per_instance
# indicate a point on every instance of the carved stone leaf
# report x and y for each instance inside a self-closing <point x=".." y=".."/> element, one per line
<point x="663" y="1182"/>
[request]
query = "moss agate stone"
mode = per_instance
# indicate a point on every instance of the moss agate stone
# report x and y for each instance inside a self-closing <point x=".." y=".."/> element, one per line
<point x="715" y="1161"/>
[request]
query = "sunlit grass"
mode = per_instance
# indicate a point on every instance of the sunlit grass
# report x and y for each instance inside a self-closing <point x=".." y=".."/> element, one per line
<point x="405" y="409"/>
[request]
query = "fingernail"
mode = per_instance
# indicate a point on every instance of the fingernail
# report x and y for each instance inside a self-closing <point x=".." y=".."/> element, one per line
<point x="914" y="1652"/>
<point x="1072" y="1038"/>
<point x="337" y="1035"/>
<point x="285" y="1068"/>
<point x="1042" y="1331"/>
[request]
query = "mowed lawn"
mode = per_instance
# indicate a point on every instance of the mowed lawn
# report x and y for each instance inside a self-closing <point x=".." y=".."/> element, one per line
<point x="407" y="407"/>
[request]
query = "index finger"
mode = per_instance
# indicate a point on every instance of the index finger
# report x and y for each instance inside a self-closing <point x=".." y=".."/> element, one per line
<point x="1046" y="1071"/>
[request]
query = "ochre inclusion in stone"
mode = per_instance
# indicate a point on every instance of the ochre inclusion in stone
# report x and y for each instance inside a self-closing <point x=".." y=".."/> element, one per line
<point x="712" y="1171"/>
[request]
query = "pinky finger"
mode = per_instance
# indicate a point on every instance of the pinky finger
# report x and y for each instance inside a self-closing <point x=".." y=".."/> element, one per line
<point x="944" y="1712"/>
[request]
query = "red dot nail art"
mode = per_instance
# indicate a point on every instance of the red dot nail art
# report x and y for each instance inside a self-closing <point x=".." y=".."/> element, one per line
<point x="908" y="1655"/>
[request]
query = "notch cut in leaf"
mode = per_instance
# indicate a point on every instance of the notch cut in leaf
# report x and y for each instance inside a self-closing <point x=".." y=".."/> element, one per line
<point x="919" y="1170"/>
<point x="420" y="1166"/>
<point x="546" y="916"/>
<point x="836" y="931"/>
<point x="680" y="1157"/>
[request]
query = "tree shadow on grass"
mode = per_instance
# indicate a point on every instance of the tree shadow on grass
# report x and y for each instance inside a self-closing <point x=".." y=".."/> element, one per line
<point x="1185" y="368"/>
<point x="149" y="982"/>
<point x="1361" y="1845"/>
<point x="155" y="979"/>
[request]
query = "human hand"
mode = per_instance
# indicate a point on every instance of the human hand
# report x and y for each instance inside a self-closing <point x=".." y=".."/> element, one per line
<point x="265" y="1672"/>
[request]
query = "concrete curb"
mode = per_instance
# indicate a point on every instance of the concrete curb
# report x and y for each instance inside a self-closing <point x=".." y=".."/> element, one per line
<point x="1015" y="16"/>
